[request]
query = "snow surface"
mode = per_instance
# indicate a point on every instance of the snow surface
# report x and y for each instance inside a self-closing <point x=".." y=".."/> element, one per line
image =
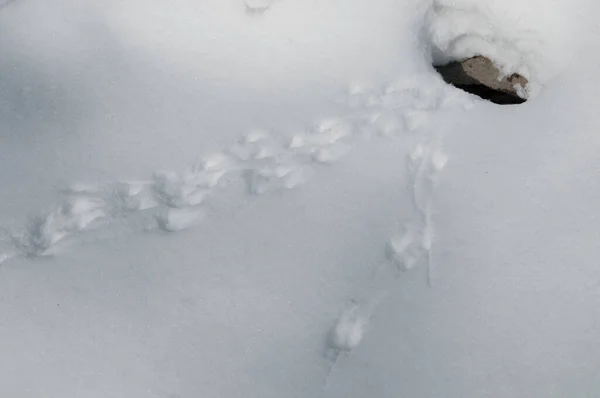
<point x="280" y="198"/>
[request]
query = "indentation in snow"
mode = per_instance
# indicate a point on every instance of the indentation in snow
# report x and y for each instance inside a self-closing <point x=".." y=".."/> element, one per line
<point x="273" y="177"/>
<point x="331" y="153"/>
<point x="126" y="198"/>
<point x="415" y="241"/>
<point x="179" y="191"/>
<point x="216" y="162"/>
<point x="175" y="220"/>
<point x="267" y="164"/>
<point x="348" y="331"/>
<point x="328" y="131"/>
<point x="403" y="250"/>
<point x="255" y="136"/>
<point x="258" y="6"/>
<point x="414" y="119"/>
<point x="80" y="188"/>
<point x="438" y="160"/>
<point x="44" y="231"/>
<point x="255" y="144"/>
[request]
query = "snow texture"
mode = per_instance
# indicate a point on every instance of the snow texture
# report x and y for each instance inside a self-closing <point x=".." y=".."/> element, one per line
<point x="269" y="198"/>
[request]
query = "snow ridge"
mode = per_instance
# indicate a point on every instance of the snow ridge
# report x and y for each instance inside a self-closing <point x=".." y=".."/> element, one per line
<point x="519" y="39"/>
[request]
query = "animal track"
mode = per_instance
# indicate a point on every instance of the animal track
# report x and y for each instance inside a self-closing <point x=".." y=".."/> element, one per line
<point x="401" y="107"/>
<point x="42" y="232"/>
<point x="174" y="201"/>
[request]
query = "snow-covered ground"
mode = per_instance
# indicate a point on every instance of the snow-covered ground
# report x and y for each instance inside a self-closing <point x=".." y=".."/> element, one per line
<point x="280" y="198"/>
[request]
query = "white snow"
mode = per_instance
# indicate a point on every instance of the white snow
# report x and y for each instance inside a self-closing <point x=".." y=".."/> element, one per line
<point x="348" y="330"/>
<point x="175" y="220"/>
<point x="281" y="198"/>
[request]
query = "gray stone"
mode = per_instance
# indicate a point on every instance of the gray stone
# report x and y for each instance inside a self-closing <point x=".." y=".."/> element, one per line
<point x="478" y="75"/>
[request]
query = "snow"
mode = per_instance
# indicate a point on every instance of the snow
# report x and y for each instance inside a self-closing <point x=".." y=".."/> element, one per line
<point x="175" y="220"/>
<point x="281" y="198"/>
<point x="533" y="40"/>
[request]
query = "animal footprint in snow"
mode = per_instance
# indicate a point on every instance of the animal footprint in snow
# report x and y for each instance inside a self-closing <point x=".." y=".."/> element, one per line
<point x="326" y="143"/>
<point x="424" y="164"/>
<point x="129" y="197"/>
<point x="175" y="220"/>
<point x="256" y="145"/>
<point x="404" y="250"/>
<point x="7" y="249"/>
<point x="216" y="163"/>
<point x="415" y="119"/>
<point x="348" y="330"/>
<point x="330" y="153"/>
<point x="258" y="7"/>
<point x="326" y="132"/>
<point x="177" y="191"/>
<point x="386" y="123"/>
<point x="43" y="232"/>
<point x="191" y="188"/>
<point x="355" y="96"/>
<point x="271" y="178"/>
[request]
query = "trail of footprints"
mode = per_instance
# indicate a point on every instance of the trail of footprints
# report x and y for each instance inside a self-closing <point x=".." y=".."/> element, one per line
<point x="411" y="245"/>
<point x="171" y="201"/>
<point x="175" y="201"/>
<point x="415" y="239"/>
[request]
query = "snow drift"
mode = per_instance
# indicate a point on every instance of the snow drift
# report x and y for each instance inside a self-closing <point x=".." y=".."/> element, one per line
<point x="535" y="39"/>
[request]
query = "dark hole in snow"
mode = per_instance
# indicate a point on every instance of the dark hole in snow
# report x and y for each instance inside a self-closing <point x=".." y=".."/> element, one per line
<point x="478" y="75"/>
<point x="495" y="96"/>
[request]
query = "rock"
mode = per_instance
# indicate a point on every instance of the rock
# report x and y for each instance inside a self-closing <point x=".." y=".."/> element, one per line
<point x="478" y="75"/>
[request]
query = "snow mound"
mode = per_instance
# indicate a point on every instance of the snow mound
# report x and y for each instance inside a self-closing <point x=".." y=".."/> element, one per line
<point x="532" y="39"/>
